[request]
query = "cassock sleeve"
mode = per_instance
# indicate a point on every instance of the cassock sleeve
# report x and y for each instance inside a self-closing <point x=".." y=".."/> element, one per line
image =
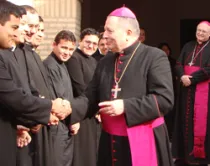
<point x="57" y="87"/>
<point x="26" y="123"/>
<point x="159" y="99"/>
<point x="86" y="105"/>
<point x="74" y="67"/>
<point x="32" y="86"/>
<point x="179" y="68"/>
<point x="201" y="75"/>
<point x="58" y="90"/>
<point x="19" y="102"/>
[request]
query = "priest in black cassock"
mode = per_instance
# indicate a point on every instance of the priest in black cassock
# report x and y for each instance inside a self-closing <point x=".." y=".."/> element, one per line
<point x="191" y="139"/>
<point x="170" y="117"/>
<point x="132" y="89"/>
<point x="35" y="153"/>
<point x="102" y="48"/>
<point x="15" y="97"/>
<point x="41" y="147"/>
<point x="61" y="87"/>
<point x="81" y="67"/>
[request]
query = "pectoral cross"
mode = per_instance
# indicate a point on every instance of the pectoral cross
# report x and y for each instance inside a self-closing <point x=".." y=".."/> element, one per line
<point x="116" y="90"/>
<point x="191" y="63"/>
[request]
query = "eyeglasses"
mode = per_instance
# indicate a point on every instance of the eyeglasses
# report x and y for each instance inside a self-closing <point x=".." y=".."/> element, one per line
<point x="88" y="42"/>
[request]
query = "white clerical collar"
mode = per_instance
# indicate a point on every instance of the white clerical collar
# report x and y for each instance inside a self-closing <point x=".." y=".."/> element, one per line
<point x="13" y="48"/>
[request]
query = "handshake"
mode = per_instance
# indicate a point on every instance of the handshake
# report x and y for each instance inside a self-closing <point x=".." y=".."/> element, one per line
<point x="60" y="110"/>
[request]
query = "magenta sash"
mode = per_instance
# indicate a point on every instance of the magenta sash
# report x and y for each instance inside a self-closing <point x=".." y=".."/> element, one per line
<point x="200" y="114"/>
<point x="141" y="138"/>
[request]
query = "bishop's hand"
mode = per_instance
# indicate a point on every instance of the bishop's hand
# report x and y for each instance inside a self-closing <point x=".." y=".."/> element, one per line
<point x="186" y="80"/>
<point x="61" y="108"/>
<point x="112" y="108"/>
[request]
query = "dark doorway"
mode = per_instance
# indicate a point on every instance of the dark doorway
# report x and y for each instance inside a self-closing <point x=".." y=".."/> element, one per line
<point x="187" y="30"/>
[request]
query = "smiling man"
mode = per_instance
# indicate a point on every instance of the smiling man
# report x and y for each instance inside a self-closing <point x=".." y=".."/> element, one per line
<point x="33" y="23"/>
<point x="132" y="90"/>
<point x="81" y="67"/>
<point x="9" y="23"/>
<point x="192" y="124"/>
<point x="41" y="148"/>
<point x="60" y="85"/>
<point x="39" y="36"/>
<point x="15" y="96"/>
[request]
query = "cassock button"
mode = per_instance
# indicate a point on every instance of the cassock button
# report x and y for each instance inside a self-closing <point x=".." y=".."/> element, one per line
<point x="114" y="160"/>
<point x="117" y="79"/>
<point x="118" y="70"/>
<point x="114" y="151"/>
<point x="120" y="62"/>
<point x="113" y="141"/>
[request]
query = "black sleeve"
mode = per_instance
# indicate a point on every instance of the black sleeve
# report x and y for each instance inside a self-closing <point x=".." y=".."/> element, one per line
<point x="56" y="85"/>
<point x="159" y="99"/>
<point x="201" y="75"/>
<point x="74" y="67"/>
<point x="19" y="102"/>
<point x="86" y="105"/>
<point x="24" y="122"/>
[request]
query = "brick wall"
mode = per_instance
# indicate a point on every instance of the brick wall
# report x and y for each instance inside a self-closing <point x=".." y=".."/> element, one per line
<point x="58" y="15"/>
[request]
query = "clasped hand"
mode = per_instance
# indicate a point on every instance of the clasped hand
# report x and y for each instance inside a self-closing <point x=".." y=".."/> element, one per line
<point x="23" y="137"/>
<point x="60" y="110"/>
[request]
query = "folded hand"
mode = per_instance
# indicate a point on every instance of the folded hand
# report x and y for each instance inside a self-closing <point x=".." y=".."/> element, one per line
<point x="74" y="128"/>
<point x="23" y="138"/>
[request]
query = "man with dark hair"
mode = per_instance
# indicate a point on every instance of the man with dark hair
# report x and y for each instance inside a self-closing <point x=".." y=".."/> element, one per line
<point x="142" y="36"/>
<point x="81" y="67"/>
<point x="40" y="151"/>
<point x="15" y="97"/>
<point x="39" y="36"/>
<point x="33" y="23"/>
<point x="36" y="70"/>
<point x="102" y="45"/>
<point x="102" y="48"/>
<point x="63" y="46"/>
<point x="29" y="9"/>
<point x="9" y="22"/>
